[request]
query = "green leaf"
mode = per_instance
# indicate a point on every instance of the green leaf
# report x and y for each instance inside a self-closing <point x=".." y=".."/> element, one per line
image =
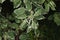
<point x="43" y="11"/>
<point x="26" y="36"/>
<point x="19" y="11"/>
<point x="57" y="18"/>
<point x="11" y="35"/>
<point x="0" y="38"/>
<point x="40" y="17"/>
<point x="23" y="37"/>
<point x="28" y="5"/>
<point x="11" y="18"/>
<point x="13" y="25"/>
<point x="29" y="29"/>
<point x="34" y="25"/>
<point x="38" y="12"/>
<point x="50" y="17"/>
<point x="17" y="20"/>
<point x="23" y="24"/>
<point x="23" y="16"/>
<point x="53" y="8"/>
<point x="37" y="33"/>
<point x="47" y="7"/>
<point x="1" y="1"/>
<point x="52" y="5"/>
<point x="4" y="25"/>
<point x="5" y="36"/>
<point x="17" y="3"/>
<point x="41" y="1"/>
<point x="1" y="33"/>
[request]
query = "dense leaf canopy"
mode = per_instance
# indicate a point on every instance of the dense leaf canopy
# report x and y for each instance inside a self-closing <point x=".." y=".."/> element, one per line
<point x="25" y="18"/>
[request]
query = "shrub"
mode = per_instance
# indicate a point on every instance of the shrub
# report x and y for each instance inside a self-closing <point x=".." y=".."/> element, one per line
<point x="23" y="21"/>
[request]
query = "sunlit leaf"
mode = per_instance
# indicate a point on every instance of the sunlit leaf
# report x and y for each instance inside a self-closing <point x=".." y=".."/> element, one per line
<point x="28" y="5"/>
<point x="52" y="5"/>
<point x="34" y="25"/>
<point x="1" y="1"/>
<point x="29" y="29"/>
<point x="23" y="25"/>
<point x="9" y="35"/>
<point x="17" y="3"/>
<point x="38" y="12"/>
<point x="41" y="1"/>
<point x="0" y="38"/>
<point x="40" y="17"/>
<point x="20" y="11"/>
<point x="23" y="16"/>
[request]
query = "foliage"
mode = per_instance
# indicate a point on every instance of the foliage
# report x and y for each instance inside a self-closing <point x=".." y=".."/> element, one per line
<point x="26" y="17"/>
